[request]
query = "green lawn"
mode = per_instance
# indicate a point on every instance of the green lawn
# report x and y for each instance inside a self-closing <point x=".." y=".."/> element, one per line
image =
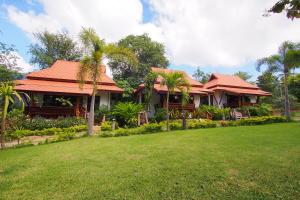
<point x="258" y="162"/>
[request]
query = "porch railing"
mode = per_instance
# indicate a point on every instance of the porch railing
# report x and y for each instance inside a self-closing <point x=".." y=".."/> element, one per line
<point x="53" y="111"/>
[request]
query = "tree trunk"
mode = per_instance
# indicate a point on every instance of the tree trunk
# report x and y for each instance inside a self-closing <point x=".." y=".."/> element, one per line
<point x="287" y="111"/>
<point x="168" y="117"/>
<point x="91" y="115"/>
<point x="4" y="113"/>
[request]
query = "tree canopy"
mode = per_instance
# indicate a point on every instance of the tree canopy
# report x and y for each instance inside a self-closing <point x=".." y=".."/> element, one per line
<point x="51" y="47"/>
<point x="201" y="76"/>
<point x="291" y="7"/>
<point x="148" y="52"/>
<point x="243" y="75"/>
<point x="294" y="85"/>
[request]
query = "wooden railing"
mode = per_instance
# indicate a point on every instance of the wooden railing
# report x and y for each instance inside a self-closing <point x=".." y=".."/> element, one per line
<point x="179" y="106"/>
<point x="52" y="111"/>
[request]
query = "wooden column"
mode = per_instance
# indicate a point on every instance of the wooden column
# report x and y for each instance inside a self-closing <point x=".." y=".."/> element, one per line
<point x="77" y="106"/>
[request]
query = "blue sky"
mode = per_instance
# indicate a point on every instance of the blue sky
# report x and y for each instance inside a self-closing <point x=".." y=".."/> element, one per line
<point x="194" y="36"/>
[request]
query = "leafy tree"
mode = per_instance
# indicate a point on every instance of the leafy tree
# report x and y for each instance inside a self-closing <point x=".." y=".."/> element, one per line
<point x="128" y="90"/>
<point x="286" y="59"/>
<point x="7" y="93"/>
<point x="243" y="75"/>
<point x="294" y="85"/>
<point x="201" y="76"/>
<point x="173" y="81"/>
<point x="268" y="82"/>
<point x="7" y="74"/>
<point x="96" y="50"/>
<point x="148" y="52"/>
<point x="52" y="47"/>
<point x="291" y="7"/>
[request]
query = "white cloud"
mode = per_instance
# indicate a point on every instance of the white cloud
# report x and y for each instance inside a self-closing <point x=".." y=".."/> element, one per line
<point x="22" y="64"/>
<point x="195" y="32"/>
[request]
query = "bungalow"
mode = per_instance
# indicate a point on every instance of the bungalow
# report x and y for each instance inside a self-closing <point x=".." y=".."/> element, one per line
<point x="197" y="92"/>
<point x="51" y="88"/>
<point x="232" y="91"/>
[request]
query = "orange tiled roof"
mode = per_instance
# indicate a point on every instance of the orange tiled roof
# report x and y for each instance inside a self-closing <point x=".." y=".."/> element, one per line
<point x="67" y="71"/>
<point x="61" y="77"/>
<point x="234" y="84"/>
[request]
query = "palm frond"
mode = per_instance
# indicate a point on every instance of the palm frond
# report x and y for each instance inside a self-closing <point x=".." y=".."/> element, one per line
<point x="85" y="64"/>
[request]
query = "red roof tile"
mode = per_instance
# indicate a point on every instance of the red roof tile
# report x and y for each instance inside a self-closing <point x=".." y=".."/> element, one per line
<point x="65" y="70"/>
<point x="234" y="84"/>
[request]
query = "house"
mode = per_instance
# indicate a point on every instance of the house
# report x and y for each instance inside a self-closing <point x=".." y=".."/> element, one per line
<point x="197" y="92"/>
<point x="232" y="91"/>
<point x="55" y="91"/>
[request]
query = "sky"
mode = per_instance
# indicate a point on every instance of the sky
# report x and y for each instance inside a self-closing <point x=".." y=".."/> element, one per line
<point x="217" y="36"/>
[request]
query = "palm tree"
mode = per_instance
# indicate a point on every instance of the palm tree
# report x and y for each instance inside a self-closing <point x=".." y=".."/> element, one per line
<point x="95" y="51"/>
<point x="173" y="81"/>
<point x="288" y="58"/>
<point x="7" y="94"/>
<point x="184" y="100"/>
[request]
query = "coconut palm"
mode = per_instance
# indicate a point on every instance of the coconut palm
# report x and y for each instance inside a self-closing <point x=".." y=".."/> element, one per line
<point x="95" y="51"/>
<point x="7" y="94"/>
<point x="288" y="58"/>
<point x="173" y="81"/>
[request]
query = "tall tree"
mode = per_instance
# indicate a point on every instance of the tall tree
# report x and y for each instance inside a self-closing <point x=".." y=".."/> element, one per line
<point x="173" y="81"/>
<point x="8" y="57"/>
<point x="200" y="76"/>
<point x="148" y="52"/>
<point x="243" y="75"/>
<point x="52" y="47"/>
<point x="95" y="51"/>
<point x="286" y="59"/>
<point x="7" y="74"/>
<point x="7" y="93"/>
<point x="294" y="85"/>
<point x="291" y="7"/>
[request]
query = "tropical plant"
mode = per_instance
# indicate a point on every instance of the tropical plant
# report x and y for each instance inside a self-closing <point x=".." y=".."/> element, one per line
<point x="243" y="75"/>
<point x="127" y="113"/>
<point x="7" y="93"/>
<point x="95" y="51"/>
<point x="288" y="58"/>
<point x="173" y="81"/>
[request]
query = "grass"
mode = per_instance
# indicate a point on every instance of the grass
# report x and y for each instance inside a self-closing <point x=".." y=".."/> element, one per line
<point x="258" y="162"/>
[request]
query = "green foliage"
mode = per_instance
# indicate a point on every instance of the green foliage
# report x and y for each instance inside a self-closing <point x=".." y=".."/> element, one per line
<point x="153" y="127"/>
<point x="127" y="113"/>
<point x="39" y="123"/>
<point x="49" y="131"/>
<point x="260" y="110"/>
<point x="255" y="121"/>
<point x="201" y="123"/>
<point x="149" y="82"/>
<point x="8" y="58"/>
<point x="52" y="47"/>
<point x="149" y="53"/>
<point x="243" y="75"/>
<point x="201" y="76"/>
<point x="294" y="85"/>
<point x="291" y="7"/>
<point x="128" y="89"/>
<point x="64" y="101"/>
<point x="101" y="111"/>
<point x="160" y="115"/>
<point x="7" y="74"/>
<point x="217" y="113"/>
<point x="107" y="126"/>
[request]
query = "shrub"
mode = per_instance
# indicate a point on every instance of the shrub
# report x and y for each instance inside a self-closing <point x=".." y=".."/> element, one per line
<point x="217" y="113"/>
<point x="106" y="126"/>
<point x="194" y="123"/>
<point x="65" y="135"/>
<point x="260" y="110"/>
<point x="153" y="127"/>
<point x="160" y="115"/>
<point x="175" y="125"/>
<point x="100" y="112"/>
<point x="254" y="121"/>
<point x="127" y="113"/>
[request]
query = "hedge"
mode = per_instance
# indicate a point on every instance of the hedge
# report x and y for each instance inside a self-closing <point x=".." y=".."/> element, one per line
<point x="255" y="121"/>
